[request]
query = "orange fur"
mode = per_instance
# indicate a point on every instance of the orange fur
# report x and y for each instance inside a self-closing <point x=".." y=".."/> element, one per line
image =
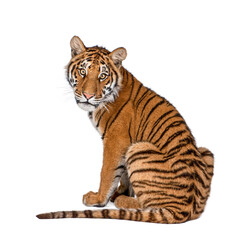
<point x="147" y="144"/>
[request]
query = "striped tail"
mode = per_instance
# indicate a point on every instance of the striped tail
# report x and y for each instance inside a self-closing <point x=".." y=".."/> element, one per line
<point x="155" y="216"/>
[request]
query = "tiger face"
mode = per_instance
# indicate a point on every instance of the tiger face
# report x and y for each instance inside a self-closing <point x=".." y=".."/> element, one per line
<point x="94" y="74"/>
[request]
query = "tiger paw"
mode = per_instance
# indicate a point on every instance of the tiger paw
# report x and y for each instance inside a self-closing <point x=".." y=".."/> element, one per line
<point x="92" y="199"/>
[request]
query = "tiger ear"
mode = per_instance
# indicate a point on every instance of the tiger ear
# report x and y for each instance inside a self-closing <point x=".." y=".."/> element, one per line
<point x="77" y="46"/>
<point x="118" y="55"/>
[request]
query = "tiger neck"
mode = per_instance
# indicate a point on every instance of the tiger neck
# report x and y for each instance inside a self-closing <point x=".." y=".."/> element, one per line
<point x="103" y="114"/>
<point x="127" y="81"/>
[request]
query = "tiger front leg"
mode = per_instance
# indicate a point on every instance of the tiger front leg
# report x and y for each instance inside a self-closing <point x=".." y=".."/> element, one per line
<point x="110" y="174"/>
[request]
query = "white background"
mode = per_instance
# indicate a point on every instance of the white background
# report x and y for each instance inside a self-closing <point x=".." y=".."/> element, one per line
<point x="187" y="51"/>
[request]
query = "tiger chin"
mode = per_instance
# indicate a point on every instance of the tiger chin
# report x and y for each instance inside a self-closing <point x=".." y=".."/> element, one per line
<point x="152" y="168"/>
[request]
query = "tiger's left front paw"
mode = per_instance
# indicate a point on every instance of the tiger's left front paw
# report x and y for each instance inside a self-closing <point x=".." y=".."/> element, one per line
<point x="92" y="199"/>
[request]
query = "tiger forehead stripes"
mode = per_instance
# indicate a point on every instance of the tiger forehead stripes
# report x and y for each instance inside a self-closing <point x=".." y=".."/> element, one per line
<point x="164" y="177"/>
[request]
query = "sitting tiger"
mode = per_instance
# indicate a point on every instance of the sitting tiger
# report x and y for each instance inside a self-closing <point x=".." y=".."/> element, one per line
<point x="148" y="148"/>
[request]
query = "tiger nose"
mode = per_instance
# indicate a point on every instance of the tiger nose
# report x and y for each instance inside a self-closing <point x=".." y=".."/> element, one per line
<point x="87" y="95"/>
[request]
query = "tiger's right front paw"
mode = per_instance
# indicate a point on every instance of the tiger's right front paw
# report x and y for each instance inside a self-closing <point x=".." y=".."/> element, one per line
<point x="92" y="199"/>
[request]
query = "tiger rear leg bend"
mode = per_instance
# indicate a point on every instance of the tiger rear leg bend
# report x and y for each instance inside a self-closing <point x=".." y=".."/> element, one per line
<point x="124" y="200"/>
<point x="125" y="187"/>
<point x="167" y="189"/>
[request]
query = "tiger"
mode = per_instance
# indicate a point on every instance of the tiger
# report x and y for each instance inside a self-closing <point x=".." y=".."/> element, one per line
<point x="152" y="169"/>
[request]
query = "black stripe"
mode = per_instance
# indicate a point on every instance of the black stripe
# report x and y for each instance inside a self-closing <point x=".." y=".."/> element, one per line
<point x="163" y="203"/>
<point x="129" y="131"/>
<point x="159" y="119"/>
<point x="189" y="152"/>
<point x="130" y="215"/>
<point x="185" y="214"/>
<point x="105" y="213"/>
<point x="173" y="206"/>
<point x="89" y="59"/>
<point x="149" y="114"/>
<point x="162" y="215"/>
<point x="185" y="175"/>
<point x="174" y="184"/>
<point x="122" y="213"/>
<point x="201" y="166"/>
<point x="170" y="156"/>
<point x="172" y="125"/>
<point x="170" y="139"/>
<point x="176" y="115"/>
<point x="120" y="167"/>
<point x="141" y="153"/>
<point x="117" y="176"/>
<point x="100" y="118"/>
<point x="98" y="113"/>
<point x="174" y="214"/>
<point x="138" y="215"/>
<point x="207" y="153"/>
<point x="197" y="192"/>
<point x="158" y="161"/>
<point x="139" y="127"/>
<point x="156" y="170"/>
<point x="187" y="161"/>
<point x="141" y="122"/>
<point x="91" y="50"/>
<point x="74" y="214"/>
<point x="116" y="75"/>
<point x="146" y="103"/>
<point x="157" y="185"/>
<point x="68" y="67"/>
<point x="199" y="179"/>
<point x="136" y="159"/>
<point x="154" y="199"/>
<point x="187" y="140"/>
<point x="88" y="213"/>
<point x="151" y="217"/>
<point x="176" y="149"/>
<point x="96" y="54"/>
<point x="163" y="193"/>
<point x="135" y="185"/>
<point x="139" y="88"/>
<point x="73" y="69"/>
<point x="143" y="131"/>
<point x="142" y="97"/>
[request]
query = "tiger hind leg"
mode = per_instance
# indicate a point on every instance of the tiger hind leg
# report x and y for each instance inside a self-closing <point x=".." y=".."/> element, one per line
<point x="125" y="187"/>
<point x="159" y="184"/>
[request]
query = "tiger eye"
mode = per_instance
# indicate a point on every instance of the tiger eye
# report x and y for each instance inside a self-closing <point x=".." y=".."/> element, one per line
<point x="103" y="76"/>
<point x="82" y="71"/>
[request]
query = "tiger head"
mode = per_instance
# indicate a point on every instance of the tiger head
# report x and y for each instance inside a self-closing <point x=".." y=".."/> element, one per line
<point x="95" y="74"/>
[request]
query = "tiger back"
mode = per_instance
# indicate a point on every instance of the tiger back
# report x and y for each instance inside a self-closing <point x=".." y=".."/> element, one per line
<point x="164" y="177"/>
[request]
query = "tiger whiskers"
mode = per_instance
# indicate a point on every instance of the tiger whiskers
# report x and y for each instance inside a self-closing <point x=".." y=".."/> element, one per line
<point x="65" y="90"/>
<point x="104" y="105"/>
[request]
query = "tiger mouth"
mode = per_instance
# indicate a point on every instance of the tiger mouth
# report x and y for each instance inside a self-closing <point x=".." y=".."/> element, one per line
<point x="87" y="103"/>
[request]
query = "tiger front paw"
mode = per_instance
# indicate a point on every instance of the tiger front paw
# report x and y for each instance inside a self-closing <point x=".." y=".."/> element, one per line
<point x="92" y="199"/>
